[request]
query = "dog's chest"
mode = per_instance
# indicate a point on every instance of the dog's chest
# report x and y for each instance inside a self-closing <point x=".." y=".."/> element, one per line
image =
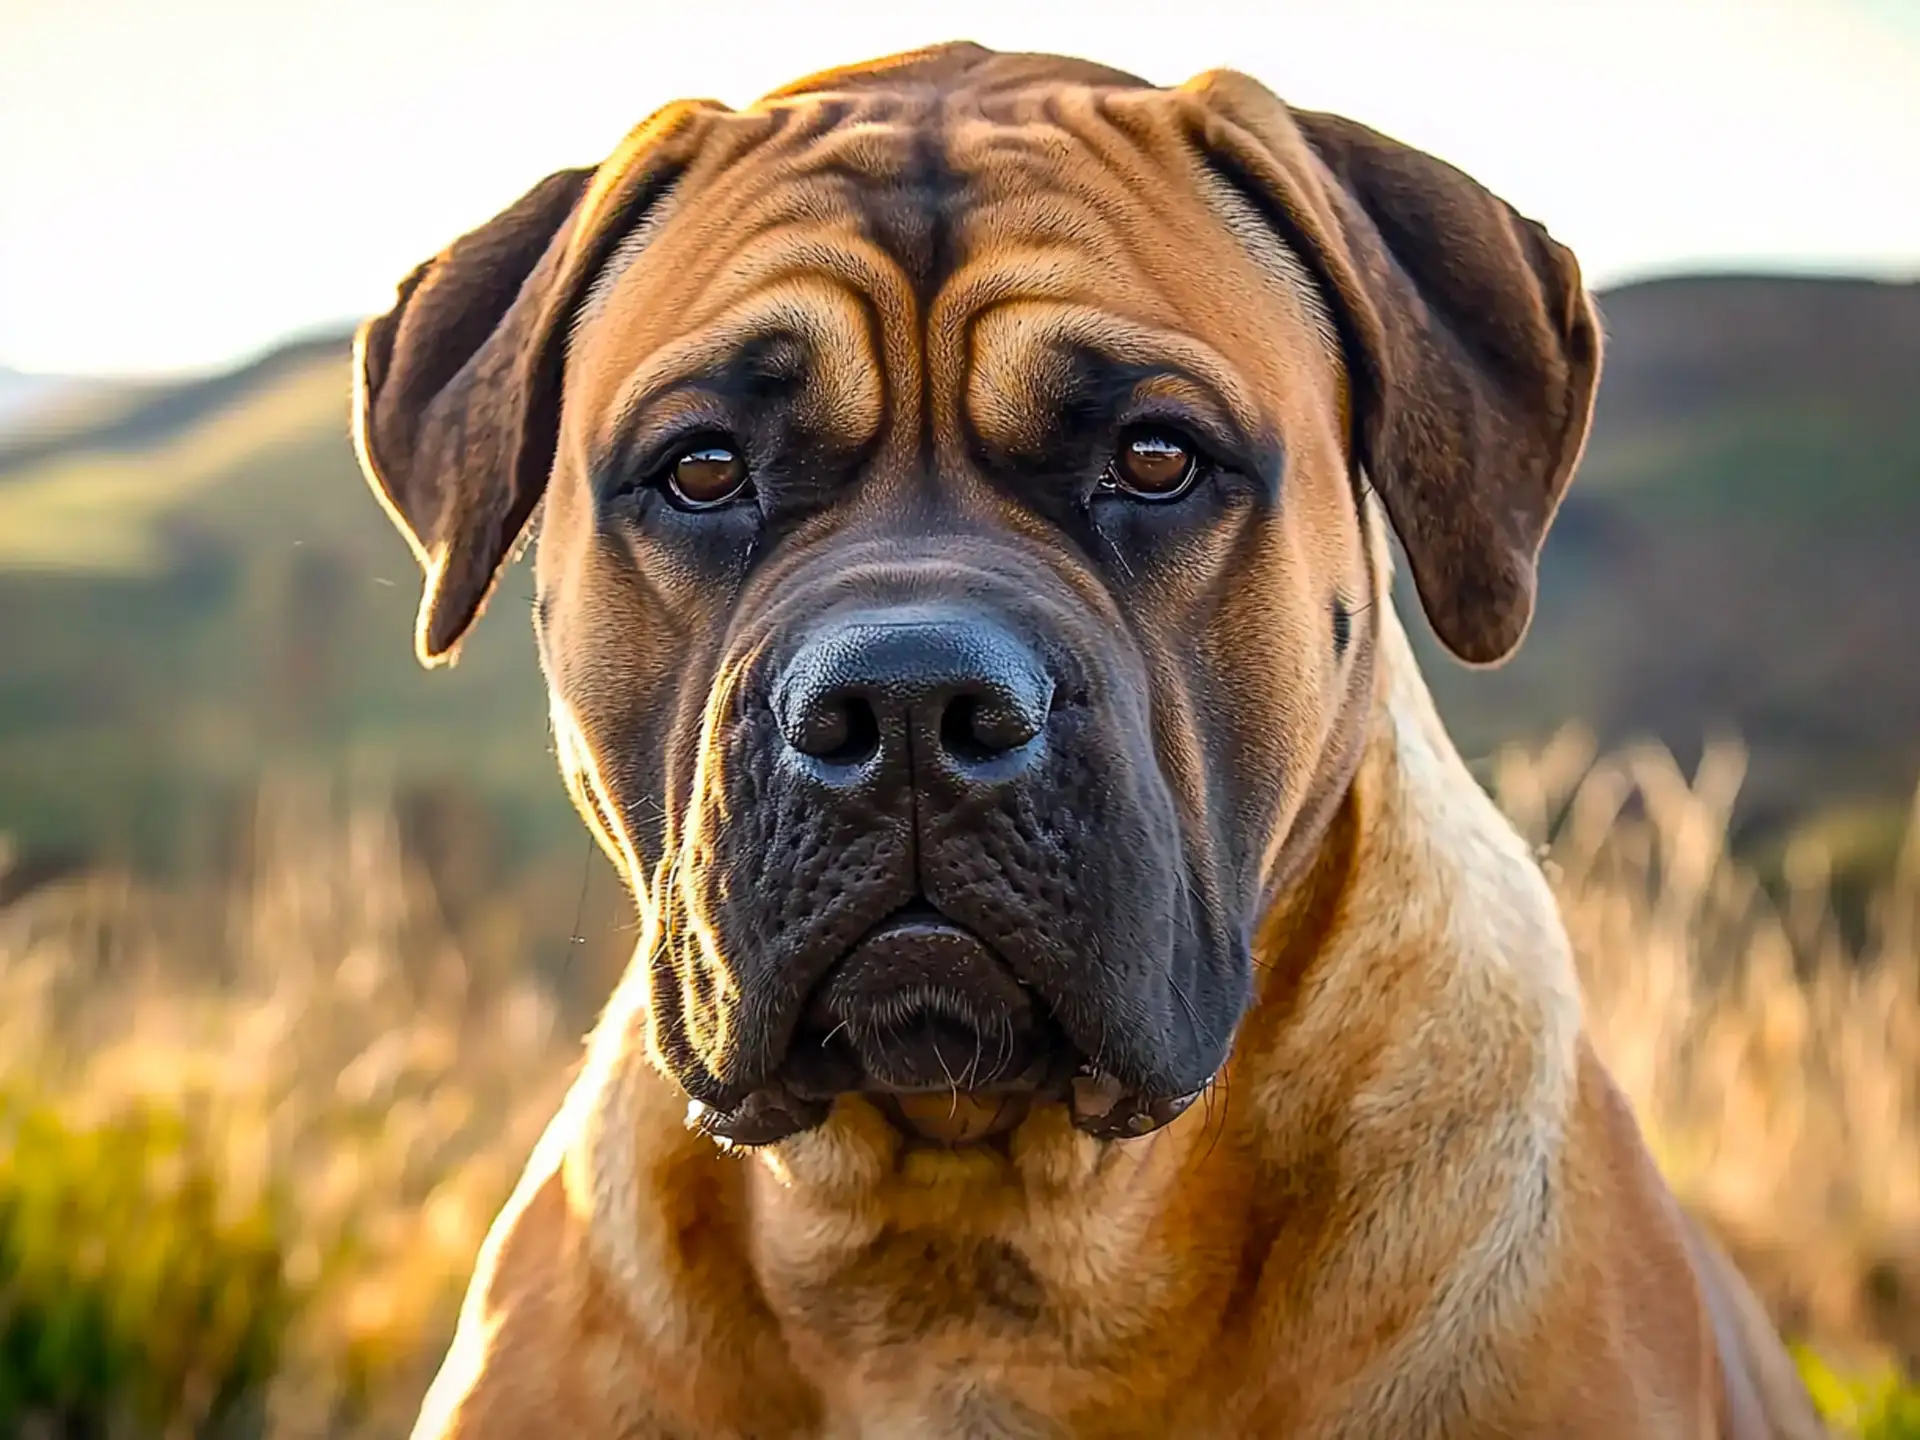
<point x="928" y="1350"/>
<point x="930" y="1406"/>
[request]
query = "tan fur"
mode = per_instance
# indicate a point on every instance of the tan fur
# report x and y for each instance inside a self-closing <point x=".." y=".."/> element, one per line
<point x="1419" y="1101"/>
<point x="1413" y="1205"/>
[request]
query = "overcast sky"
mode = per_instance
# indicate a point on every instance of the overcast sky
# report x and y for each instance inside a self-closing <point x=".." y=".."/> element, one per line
<point x="185" y="181"/>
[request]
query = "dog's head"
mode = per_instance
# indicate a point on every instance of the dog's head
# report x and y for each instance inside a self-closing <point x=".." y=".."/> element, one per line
<point x="953" y="581"/>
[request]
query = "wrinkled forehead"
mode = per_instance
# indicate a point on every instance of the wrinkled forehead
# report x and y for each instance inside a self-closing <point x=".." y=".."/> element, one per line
<point x="963" y="239"/>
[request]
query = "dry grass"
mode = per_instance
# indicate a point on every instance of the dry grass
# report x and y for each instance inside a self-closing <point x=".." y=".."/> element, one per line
<point x="1774" y="1063"/>
<point x="318" y="1019"/>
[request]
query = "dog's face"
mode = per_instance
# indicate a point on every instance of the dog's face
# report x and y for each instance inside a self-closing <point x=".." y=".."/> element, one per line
<point x="953" y="585"/>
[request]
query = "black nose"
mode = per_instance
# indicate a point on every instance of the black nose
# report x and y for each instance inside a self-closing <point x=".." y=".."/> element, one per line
<point x="963" y="688"/>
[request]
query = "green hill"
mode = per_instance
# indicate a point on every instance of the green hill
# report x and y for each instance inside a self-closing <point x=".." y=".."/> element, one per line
<point x="193" y="591"/>
<point x="194" y="585"/>
<point x="1740" y="551"/>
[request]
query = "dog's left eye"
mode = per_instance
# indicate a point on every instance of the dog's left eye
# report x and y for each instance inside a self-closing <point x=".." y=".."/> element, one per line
<point x="1151" y="463"/>
<point x="706" y="476"/>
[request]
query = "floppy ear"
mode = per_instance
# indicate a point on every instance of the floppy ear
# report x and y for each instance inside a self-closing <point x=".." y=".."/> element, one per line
<point x="457" y="387"/>
<point x="1471" y="346"/>
<point x="442" y="400"/>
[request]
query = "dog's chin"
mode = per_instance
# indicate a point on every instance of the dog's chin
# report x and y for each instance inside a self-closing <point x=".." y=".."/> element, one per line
<point x="928" y="1024"/>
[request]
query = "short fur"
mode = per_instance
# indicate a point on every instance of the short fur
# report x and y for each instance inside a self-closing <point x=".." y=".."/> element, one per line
<point x="1412" y="1203"/>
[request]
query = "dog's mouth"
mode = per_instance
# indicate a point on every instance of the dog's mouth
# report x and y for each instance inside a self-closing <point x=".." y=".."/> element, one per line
<point x="921" y="1005"/>
<point x="928" y="1023"/>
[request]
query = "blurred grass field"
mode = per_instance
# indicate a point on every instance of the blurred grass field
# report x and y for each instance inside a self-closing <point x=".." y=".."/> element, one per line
<point x="251" y="1134"/>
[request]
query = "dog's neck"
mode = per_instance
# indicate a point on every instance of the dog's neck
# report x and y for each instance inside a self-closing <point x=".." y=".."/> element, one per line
<point x="1418" y="881"/>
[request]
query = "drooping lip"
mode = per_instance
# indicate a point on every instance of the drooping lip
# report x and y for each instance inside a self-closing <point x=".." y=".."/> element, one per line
<point x="921" y="1004"/>
<point x="959" y="1104"/>
<point x="1099" y="1105"/>
<point x="947" y="957"/>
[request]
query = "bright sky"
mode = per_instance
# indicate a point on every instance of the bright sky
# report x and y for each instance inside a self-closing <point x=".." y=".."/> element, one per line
<point x="185" y="181"/>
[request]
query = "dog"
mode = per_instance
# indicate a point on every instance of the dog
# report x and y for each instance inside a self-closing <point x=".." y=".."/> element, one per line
<point x="1081" y="991"/>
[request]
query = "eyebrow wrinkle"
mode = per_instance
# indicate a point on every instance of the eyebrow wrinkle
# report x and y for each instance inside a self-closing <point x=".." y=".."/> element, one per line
<point x="1017" y="339"/>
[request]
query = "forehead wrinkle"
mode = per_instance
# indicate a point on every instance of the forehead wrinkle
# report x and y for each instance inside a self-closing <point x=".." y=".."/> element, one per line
<point x="725" y="138"/>
<point x="750" y="177"/>
<point x="845" y="381"/>
<point x="712" y="233"/>
<point x="1055" y="257"/>
<point x="1040" y="167"/>
<point x="831" y="250"/>
<point x="838" y="253"/>
<point x="874" y="147"/>
<point x="1056" y="272"/>
<point x="1133" y="231"/>
<point x="1020" y="337"/>
<point x="672" y="307"/>
<point x="1147" y="207"/>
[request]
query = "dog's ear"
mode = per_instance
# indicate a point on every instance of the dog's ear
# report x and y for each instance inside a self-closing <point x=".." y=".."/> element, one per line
<point x="444" y="400"/>
<point x="457" y="387"/>
<point x="1471" y="346"/>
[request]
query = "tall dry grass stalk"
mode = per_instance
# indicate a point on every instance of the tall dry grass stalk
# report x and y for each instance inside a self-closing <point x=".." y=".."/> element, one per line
<point x="1774" y="1064"/>
<point x="317" y="1014"/>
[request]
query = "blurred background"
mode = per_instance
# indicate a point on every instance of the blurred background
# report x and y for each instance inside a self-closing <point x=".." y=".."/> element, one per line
<point x="297" y="941"/>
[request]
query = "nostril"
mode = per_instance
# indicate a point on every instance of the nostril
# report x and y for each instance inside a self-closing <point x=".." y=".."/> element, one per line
<point x="867" y="684"/>
<point x="840" y="729"/>
<point x="957" y="735"/>
<point x="860" y="734"/>
<point x="975" y="729"/>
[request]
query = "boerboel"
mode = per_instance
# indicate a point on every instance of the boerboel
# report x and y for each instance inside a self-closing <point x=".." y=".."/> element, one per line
<point x="1081" y="992"/>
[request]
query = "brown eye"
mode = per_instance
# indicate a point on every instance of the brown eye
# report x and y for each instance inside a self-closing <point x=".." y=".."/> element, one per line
<point x="707" y="476"/>
<point x="1151" y="464"/>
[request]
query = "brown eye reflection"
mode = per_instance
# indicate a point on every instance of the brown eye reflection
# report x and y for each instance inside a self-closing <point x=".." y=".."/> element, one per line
<point x="1151" y="464"/>
<point x="708" y="476"/>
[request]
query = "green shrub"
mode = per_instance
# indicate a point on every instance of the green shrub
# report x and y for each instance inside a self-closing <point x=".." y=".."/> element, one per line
<point x="141" y="1292"/>
<point x="1878" y="1407"/>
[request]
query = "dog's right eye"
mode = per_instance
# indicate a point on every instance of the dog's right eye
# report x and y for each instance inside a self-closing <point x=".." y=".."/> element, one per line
<point x="1151" y="463"/>
<point x="706" y="476"/>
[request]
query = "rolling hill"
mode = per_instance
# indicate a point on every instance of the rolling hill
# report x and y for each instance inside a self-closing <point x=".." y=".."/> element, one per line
<point x="1740" y="551"/>
<point x="194" y="585"/>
